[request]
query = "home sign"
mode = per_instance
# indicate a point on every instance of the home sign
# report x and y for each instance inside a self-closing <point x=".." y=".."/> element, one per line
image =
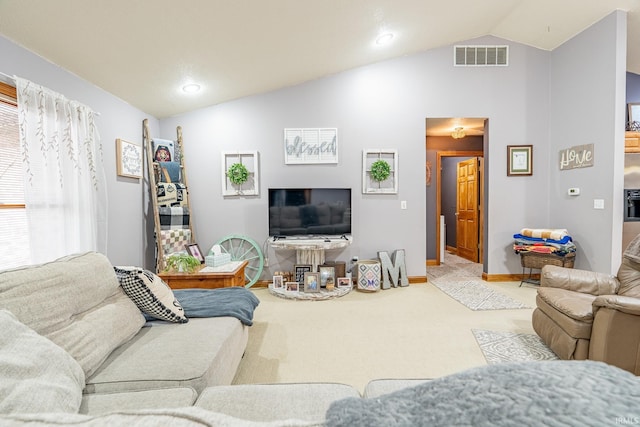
<point x="579" y="156"/>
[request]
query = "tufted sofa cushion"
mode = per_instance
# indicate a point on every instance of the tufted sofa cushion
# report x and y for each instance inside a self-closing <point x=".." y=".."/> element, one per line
<point x="76" y="302"/>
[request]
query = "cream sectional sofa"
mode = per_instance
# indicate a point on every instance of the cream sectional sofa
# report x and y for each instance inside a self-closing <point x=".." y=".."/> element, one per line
<point x="75" y="350"/>
<point x="78" y="305"/>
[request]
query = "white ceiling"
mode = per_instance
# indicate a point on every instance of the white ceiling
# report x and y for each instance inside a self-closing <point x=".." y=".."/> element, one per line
<point x="144" y="51"/>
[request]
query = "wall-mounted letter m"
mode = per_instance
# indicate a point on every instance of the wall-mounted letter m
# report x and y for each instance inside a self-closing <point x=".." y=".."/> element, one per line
<point x="394" y="268"/>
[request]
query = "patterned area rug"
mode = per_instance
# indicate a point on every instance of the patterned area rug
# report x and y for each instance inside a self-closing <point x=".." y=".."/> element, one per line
<point x="499" y="347"/>
<point x="477" y="296"/>
<point x="461" y="280"/>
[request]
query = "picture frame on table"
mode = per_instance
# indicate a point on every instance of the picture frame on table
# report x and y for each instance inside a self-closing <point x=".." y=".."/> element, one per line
<point x="299" y="270"/>
<point x="311" y="282"/>
<point x="343" y="282"/>
<point x="326" y="273"/>
<point x="292" y="287"/>
<point x="519" y="160"/>
<point x="193" y="249"/>
<point x="278" y="282"/>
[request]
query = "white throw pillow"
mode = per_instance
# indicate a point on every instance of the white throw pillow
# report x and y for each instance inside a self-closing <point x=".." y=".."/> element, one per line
<point x="151" y="294"/>
<point x="36" y="375"/>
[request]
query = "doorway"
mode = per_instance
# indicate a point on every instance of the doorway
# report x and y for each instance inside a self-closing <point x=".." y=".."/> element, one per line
<point x="456" y="194"/>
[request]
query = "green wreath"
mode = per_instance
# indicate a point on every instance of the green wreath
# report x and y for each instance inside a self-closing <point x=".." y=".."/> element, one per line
<point x="238" y="173"/>
<point x="380" y="170"/>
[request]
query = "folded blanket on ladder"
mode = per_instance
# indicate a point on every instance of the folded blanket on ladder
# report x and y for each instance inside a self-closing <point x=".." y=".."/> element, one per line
<point x="173" y="218"/>
<point x="171" y="194"/>
<point x="174" y="240"/>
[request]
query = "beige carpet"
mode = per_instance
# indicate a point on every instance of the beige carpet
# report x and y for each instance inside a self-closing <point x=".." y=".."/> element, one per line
<point x="412" y="332"/>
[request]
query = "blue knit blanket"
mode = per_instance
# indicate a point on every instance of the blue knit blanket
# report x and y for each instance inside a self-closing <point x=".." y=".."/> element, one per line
<point x="235" y="302"/>
<point x="549" y="393"/>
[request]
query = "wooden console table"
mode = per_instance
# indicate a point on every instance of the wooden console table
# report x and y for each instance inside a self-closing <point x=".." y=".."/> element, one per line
<point x="224" y="276"/>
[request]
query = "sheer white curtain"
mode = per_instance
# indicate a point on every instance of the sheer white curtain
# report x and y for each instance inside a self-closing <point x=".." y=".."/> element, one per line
<point x="65" y="190"/>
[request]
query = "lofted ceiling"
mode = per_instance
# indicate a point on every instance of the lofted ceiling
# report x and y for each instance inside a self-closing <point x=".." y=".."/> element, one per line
<point x="145" y="51"/>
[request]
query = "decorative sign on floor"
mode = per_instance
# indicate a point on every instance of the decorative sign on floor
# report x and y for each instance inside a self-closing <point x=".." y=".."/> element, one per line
<point x="393" y="268"/>
<point x="579" y="156"/>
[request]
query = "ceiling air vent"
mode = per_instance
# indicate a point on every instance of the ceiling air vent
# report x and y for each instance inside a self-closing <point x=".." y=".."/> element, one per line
<point x="485" y="56"/>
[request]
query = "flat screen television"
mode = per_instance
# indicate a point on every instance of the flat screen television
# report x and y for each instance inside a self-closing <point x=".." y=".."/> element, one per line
<point x="309" y="212"/>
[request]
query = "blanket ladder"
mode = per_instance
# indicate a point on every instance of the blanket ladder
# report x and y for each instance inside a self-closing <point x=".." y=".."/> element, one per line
<point x="169" y="197"/>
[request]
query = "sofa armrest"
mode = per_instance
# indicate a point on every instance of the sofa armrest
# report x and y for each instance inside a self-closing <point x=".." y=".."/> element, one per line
<point x="621" y="303"/>
<point x="587" y="282"/>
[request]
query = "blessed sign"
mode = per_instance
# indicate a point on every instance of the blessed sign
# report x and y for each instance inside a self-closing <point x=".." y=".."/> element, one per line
<point x="580" y="156"/>
<point x="310" y="145"/>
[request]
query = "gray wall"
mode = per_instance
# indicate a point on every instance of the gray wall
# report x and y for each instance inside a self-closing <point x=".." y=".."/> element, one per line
<point x="588" y="107"/>
<point x="379" y="106"/>
<point x="126" y="236"/>
<point x="385" y="104"/>
<point x="555" y="99"/>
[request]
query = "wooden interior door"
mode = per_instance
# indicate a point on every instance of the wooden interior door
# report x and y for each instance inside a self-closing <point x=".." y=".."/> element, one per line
<point x="467" y="209"/>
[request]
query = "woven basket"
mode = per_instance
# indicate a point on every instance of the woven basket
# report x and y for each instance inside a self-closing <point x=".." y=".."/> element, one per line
<point x="538" y="260"/>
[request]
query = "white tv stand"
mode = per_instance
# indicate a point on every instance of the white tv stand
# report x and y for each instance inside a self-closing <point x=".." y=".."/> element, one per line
<point x="310" y="250"/>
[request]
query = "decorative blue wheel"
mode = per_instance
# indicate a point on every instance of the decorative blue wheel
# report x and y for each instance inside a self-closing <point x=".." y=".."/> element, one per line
<point x="243" y="248"/>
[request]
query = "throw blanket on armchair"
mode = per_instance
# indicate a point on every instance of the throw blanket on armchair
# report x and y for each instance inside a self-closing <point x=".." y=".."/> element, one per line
<point x="234" y="302"/>
<point x="550" y="393"/>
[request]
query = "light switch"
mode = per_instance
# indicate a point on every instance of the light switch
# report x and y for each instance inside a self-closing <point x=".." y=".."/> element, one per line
<point x="403" y="204"/>
<point x="598" y="203"/>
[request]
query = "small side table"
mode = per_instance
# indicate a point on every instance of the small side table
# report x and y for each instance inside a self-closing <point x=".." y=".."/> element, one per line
<point x="224" y="276"/>
<point x="538" y="260"/>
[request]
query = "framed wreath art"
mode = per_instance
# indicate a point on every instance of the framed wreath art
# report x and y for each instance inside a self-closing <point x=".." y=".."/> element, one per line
<point x="240" y="173"/>
<point x="380" y="171"/>
<point x="237" y="174"/>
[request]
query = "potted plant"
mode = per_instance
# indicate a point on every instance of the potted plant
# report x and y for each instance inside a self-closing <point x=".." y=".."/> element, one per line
<point x="182" y="262"/>
<point x="380" y="170"/>
<point x="238" y="174"/>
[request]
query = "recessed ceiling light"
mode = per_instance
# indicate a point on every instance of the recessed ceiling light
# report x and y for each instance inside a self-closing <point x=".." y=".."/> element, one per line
<point x="384" y="39"/>
<point x="191" y="88"/>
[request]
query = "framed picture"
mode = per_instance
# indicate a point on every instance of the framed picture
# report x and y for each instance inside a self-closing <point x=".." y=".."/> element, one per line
<point x="292" y="287"/>
<point x="299" y="271"/>
<point x="634" y="112"/>
<point x="278" y="282"/>
<point x="311" y="282"/>
<point x="326" y="273"/>
<point x="380" y="171"/>
<point x="248" y="160"/>
<point x="128" y="159"/>
<point x="519" y="160"/>
<point x="194" y="250"/>
<point x="344" y="282"/>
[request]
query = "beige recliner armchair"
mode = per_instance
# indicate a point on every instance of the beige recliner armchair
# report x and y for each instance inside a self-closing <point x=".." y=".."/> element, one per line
<point x="587" y="315"/>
